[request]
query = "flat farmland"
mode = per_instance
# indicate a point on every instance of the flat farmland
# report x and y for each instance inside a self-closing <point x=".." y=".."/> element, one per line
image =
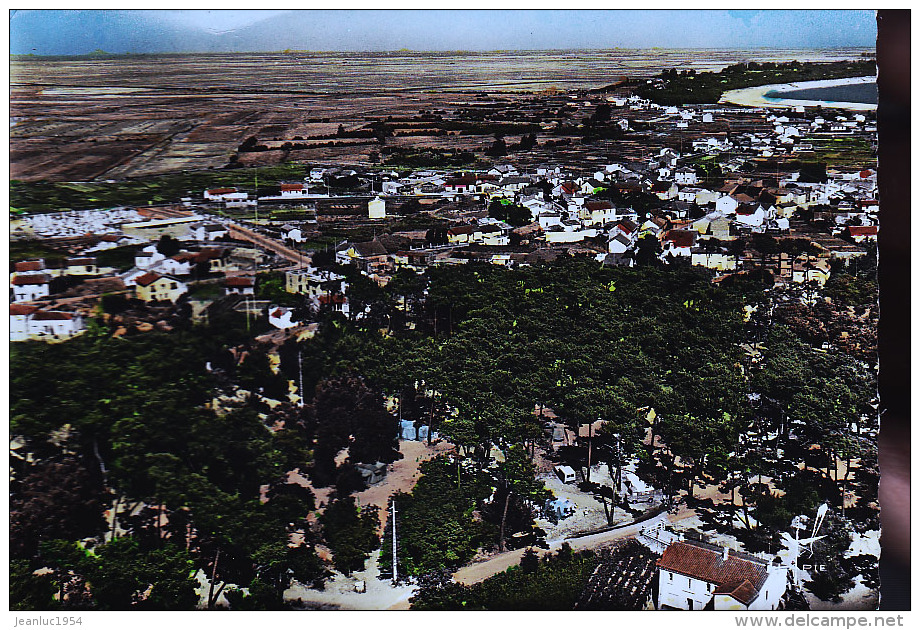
<point x="117" y="117"/>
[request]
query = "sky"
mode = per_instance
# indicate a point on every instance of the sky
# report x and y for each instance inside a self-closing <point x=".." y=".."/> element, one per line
<point x="66" y="32"/>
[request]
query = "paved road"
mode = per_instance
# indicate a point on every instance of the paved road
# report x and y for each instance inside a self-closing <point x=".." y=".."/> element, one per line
<point x="245" y="234"/>
<point x="471" y="574"/>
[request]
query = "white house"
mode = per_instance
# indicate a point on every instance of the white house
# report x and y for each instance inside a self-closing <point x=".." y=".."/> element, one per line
<point x="280" y="317"/>
<point x="549" y="219"/>
<point x="178" y="265"/>
<point x="30" y="287"/>
<point x="314" y="283"/>
<point x="81" y="267"/>
<point x="391" y="188"/>
<point x="750" y="215"/>
<point x="239" y="285"/>
<point x="568" y="236"/>
<point x="209" y="231"/>
<point x="148" y="257"/>
<point x="376" y="208"/>
<point x="55" y="325"/>
<point x="719" y="261"/>
<point x="225" y="194"/>
<point x="685" y="175"/>
<point x="697" y="576"/>
<point x="292" y="232"/>
<point x="503" y="170"/>
<point x="19" y="321"/>
<point x="618" y="243"/>
<point x="293" y="191"/>
<point x="726" y="204"/>
<point x="27" y="322"/>
<point x="678" y="242"/>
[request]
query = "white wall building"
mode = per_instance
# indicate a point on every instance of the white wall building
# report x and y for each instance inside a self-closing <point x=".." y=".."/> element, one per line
<point x="696" y="576"/>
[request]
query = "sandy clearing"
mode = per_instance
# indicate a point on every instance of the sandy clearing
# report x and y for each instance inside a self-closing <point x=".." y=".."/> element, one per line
<point x="402" y="475"/>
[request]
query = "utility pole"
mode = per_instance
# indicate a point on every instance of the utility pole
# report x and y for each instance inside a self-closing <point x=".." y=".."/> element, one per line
<point x="257" y="194"/>
<point x="300" y="366"/>
<point x="247" y="312"/>
<point x="590" y="436"/>
<point x="395" y="574"/>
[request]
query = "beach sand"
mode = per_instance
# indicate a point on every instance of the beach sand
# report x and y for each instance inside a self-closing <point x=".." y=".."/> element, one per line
<point x="756" y="96"/>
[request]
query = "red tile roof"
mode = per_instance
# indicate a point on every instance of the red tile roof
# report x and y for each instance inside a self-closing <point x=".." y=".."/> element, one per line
<point x="49" y="316"/>
<point x="681" y="238"/>
<point x="863" y="230"/>
<point x="30" y="265"/>
<point x="239" y="281"/>
<point x="465" y="180"/>
<point x="742" y="590"/>
<point x="37" y="278"/>
<point x="22" y="309"/>
<point x="221" y="191"/>
<point x="291" y="187"/>
<point x="704" y="563"/>
<point x="333" y="299"/>
<point x="598" y="205"/>
<point x="627" y="226"/>
<point x="746" y="209"/>
<point x="147" y="279"/>
<point x="207" y="254"/>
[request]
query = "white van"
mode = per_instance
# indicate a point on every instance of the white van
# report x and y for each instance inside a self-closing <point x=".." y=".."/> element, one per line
<point x="565" y="474"/>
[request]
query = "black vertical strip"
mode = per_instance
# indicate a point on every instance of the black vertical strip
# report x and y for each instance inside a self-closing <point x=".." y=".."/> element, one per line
<point x="893" y="53"/>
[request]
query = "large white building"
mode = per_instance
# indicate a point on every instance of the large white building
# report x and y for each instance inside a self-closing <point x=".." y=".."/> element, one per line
<point x="28" y="322"/>
<point x="696" y="576"/>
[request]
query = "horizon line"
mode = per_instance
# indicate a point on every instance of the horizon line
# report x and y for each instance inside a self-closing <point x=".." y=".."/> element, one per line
<point x="289" y="51"/>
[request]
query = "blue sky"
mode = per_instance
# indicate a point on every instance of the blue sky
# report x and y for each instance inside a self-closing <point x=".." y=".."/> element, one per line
<point x="77" y="32"/>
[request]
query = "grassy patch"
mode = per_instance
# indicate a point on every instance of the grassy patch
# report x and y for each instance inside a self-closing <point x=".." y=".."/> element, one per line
<point x="42" y="196"/>
<point x="31" y="249"/>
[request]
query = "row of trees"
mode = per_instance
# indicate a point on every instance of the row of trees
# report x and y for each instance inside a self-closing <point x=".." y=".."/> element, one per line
<point x="129" y="424"/>
<point x="689" y="87"/>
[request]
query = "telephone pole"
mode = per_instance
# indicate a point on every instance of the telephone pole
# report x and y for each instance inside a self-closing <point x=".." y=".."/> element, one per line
<point x="300" y="371"/>
<point x="395" y="574"/>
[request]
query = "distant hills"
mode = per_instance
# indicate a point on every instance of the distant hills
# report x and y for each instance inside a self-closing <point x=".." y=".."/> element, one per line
<point x="79" y="32"/>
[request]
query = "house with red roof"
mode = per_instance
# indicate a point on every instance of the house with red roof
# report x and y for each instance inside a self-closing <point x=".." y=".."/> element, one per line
<point x="862" y="233"/>
<point x="85" y="266"/>
<point x="239" y="285"/>
<point x="152" y="287"/>
<point x="29" y="266"/>
<point x="678" y="242"/>
<point x="225" y="194"/>
<point x="28" y="322"/>
<point x="31" y="286"/>
<point x="335" y="302"/>
<point x="698" y="576"/>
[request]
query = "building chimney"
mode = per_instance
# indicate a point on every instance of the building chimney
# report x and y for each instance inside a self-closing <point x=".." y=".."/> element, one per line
<point x="724" y="554"/>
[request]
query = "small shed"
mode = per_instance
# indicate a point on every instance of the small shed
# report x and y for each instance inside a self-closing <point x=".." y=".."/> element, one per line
<point x="372" y="473"/>
<point x="407" y="430"/>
